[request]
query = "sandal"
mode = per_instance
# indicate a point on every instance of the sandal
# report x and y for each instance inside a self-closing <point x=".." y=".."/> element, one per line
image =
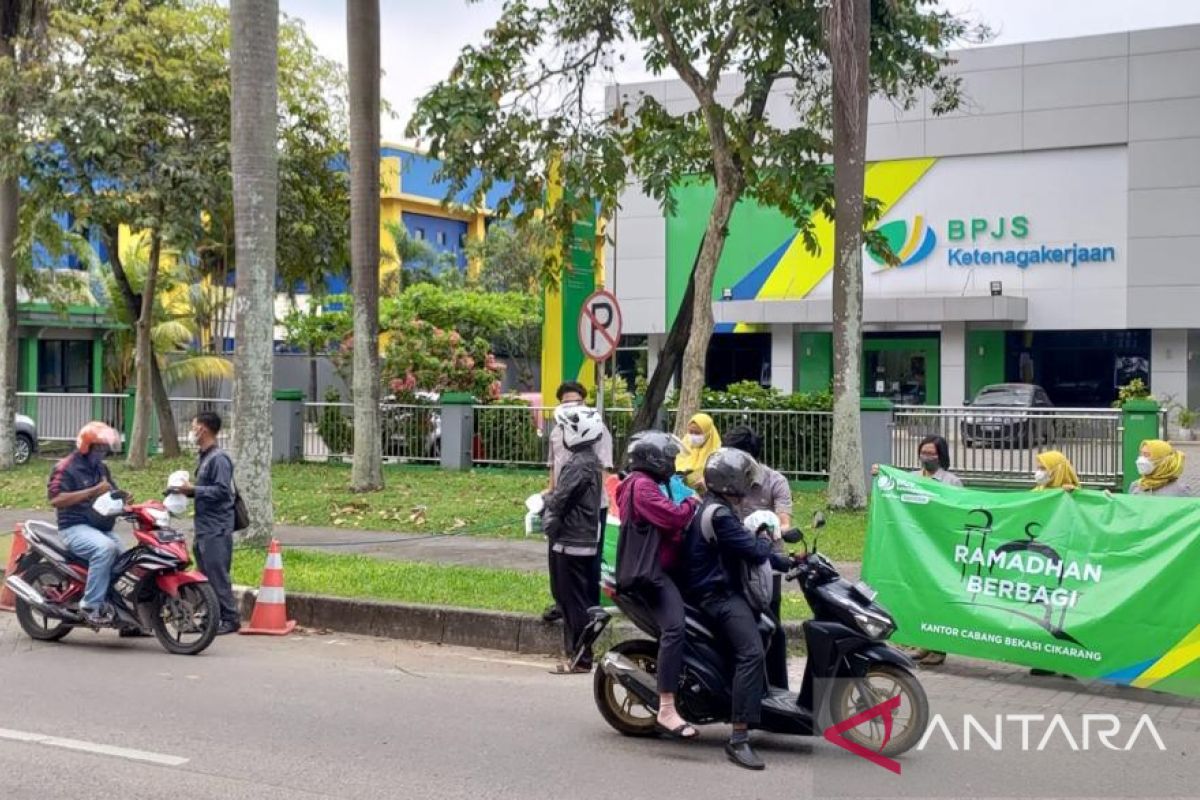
<point x="565" y="668"/>
<point x="683" y="731"/>
<point x="932" y="659"/>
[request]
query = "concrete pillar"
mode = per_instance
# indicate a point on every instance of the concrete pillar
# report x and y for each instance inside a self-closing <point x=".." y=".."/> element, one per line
<point x="458" y="430"/>
<point x="954" y="363"/>
<point x="1169" y="366"/>
<point x="287" y="425"/>
<point x="876" y="433"/>
<point x="783" y="358"/>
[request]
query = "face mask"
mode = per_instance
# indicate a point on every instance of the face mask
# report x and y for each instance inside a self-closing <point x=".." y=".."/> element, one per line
<point x="930" y="465"/>
<point x="1041" y="477"/>
<point x="193" y="438"/>
<point x="99" y="452"/>
<point x="697" y="439"/>
<point x="1145" y="466"/>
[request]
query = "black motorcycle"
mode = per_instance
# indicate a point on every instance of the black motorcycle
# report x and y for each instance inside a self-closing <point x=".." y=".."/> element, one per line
<point x="850" y="669"/>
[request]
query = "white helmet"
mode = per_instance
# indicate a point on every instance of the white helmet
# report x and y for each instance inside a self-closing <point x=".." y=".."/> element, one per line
<point x="581" y="425"/>
<point x="761" y="519"/>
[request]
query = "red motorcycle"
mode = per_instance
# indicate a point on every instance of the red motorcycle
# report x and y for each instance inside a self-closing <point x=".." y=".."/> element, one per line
<point x="151" y="590"/>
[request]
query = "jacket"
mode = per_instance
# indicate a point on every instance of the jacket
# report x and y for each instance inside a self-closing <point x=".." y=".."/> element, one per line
<point x="572" y="516"/>
<point x="214" y="493"/>
<point x="651" y="504"/>
<point x="75" y="473"/>
<point x="703" y="570"/>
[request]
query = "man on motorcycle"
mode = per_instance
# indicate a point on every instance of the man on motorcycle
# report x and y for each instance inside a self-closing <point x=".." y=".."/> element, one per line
<point x="710" y="580"/>
<point x="75" y="483"/>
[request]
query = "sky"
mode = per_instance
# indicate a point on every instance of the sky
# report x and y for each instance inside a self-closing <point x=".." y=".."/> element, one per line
<point x="421" y="38"/>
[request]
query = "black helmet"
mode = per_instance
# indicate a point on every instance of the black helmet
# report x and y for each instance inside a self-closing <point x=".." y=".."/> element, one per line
<point x="730" y="472"/>
<point x="653" y="452"/>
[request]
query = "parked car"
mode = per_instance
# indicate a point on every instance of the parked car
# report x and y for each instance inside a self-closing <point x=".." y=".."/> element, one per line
<point x="26" y="439"/>
<point x="1009" y="415"/>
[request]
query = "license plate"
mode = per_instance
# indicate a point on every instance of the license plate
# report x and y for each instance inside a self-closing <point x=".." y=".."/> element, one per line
<point x="864" y="590"/>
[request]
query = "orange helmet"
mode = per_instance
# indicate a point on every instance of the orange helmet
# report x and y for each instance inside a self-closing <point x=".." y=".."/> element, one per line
<point x="95" y="433"/>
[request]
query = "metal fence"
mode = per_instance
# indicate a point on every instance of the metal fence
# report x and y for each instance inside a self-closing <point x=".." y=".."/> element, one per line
<point x="183" y="409"/>
<point x="996" y="446"/>
<point x="794" y="443"/>
<point x="517" y="436"/>
<point x="409" y="433"/>
<point x="60" y="416"/>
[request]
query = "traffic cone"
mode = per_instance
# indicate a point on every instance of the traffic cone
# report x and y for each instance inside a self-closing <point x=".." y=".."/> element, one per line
<point x="8" y="600"/>
<point x="270" y="608"/>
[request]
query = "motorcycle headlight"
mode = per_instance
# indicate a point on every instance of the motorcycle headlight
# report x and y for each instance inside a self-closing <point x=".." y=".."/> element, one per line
<point x="873" y="626"/>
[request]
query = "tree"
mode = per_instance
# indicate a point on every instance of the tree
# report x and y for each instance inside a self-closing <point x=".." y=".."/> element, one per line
<point x="315" y="331"/>
<point x="254" y="72"/>
<point x="362" y="31"/>
<point x="22" y="26"/>
<point x="848" y="30"/>
<point x="416" y="260"/>
<point x="517" y="103"/>
<point x="511" y="258"/>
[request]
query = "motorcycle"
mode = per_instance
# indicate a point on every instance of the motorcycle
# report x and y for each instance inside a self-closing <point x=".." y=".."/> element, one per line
<point x="151" y="589"/>
<point x="850" y="668"/>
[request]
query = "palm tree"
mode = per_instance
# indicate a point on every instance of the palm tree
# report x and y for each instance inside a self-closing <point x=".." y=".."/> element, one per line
<point x="848" y="30"/>
<point x="254" y="58"/>
<point x="362" y="33"/>
<point x="21" y="22"/>
<point x="414" y="256"/>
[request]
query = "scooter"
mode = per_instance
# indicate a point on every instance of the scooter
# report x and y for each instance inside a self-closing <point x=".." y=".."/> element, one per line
<point x="850" y="667"/>
<point x="151" y="590"/>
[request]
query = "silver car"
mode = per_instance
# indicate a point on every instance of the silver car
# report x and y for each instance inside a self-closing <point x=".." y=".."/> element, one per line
<point x="27" y="439"/>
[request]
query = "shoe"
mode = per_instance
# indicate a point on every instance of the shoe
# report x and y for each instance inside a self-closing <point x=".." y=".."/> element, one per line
<point x="552" y="614"/>
<point x="1041" y="673"/>
<point x="932" y="658"/>
<point x="98" y="617"/>
<point x="228" y="627"/>
<point x="742" y="754"/>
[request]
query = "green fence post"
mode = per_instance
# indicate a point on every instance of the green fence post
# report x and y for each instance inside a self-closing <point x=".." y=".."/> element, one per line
<point x="1140" y="422"/>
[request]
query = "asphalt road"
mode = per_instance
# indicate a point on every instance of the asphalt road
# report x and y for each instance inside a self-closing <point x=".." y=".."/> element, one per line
<point x="338" y="716"/>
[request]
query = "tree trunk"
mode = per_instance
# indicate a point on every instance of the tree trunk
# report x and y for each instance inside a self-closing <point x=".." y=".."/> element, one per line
<point x="695" y="356"/>
<point x="312" y="375"/>
<point x="143" y="406"/>
<point x="254" y="57"/>
<point x="362" y="31"/>
<point x="669" y="358"/>
<point x="848" y="31"/>
<point x="10" y="199"/>
<point x="168" y="433"/>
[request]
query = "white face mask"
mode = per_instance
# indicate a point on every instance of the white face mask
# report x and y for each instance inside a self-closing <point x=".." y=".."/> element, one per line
<point x="1041" y="477"/>
<point x="193" y="439"/>
<point x="1145" y="465"/>
<point x="697" y="439"/>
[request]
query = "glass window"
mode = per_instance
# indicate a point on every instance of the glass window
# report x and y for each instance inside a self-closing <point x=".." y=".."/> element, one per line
<point x="419" y="234"/>
<point x="441" y="238"/>
<point x="65" y="365"/>
<point x="898" y="375"/>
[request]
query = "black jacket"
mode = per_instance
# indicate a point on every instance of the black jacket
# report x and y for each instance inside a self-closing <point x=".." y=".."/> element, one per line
<point x="75" y="473"/>
<point x="705" y="569"/>
<point x="214" y="493"/>
<point x="572" y="516"/>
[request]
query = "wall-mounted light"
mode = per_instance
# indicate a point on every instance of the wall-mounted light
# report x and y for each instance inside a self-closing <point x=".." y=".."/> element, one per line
<point x="997" y="288"/>
<point x="727" y="293"/>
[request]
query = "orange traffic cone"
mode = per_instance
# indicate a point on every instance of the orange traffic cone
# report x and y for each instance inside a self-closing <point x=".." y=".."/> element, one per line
<point x="270" y="609"/>
<point x="8" y="601"/>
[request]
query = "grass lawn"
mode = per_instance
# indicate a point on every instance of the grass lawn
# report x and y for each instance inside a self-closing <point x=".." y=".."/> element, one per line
<point x="488" y="502"/>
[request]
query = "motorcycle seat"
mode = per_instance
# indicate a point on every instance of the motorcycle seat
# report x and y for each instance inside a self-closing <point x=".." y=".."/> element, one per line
<point x="50" y="536"/>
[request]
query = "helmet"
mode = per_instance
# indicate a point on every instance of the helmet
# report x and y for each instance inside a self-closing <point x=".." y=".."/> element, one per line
<point x="653" y="452"/>
<point x="581" y="425"/>
<point x="730" y="472"/>
<point x="95" y="433"/>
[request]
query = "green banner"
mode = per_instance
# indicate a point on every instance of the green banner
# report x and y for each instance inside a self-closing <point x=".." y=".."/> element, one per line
<point x="1084" y="583"/>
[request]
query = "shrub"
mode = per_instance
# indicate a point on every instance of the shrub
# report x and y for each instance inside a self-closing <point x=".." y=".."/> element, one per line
<point x="335" y="430"/>
<point x="510" y="436"/>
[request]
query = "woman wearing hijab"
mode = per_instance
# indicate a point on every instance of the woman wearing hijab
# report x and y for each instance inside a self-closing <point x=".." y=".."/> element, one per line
<point x="1161" y="467"/>
<point x="702" y="441"/>
<point x="1054" y="471"/>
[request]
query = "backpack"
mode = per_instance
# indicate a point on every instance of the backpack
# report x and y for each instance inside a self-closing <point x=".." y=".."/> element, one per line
<point x="638" y="564"/>
<point x="758" y="580"/>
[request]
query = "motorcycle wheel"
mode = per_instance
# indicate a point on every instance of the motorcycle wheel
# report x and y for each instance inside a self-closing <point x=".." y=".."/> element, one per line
<point x="621" y="708"/>
<point x="36" y="624"/>
<point x="883" y="682"/>
<point x="187" y="624"/>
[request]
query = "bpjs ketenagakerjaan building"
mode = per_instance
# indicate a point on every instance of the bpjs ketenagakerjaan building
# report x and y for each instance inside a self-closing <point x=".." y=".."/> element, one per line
<point x="1047" y="232"/>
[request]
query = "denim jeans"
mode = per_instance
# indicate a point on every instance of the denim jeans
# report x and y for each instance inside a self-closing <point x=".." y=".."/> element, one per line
<point x="101" y="550"/>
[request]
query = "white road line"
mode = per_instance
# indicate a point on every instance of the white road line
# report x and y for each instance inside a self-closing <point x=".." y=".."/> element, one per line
<point x="511" y="662"/>
<point x="92" y="747"/>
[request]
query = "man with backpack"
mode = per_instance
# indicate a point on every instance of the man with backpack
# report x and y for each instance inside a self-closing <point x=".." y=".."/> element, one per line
<point x="723" y="574"/>
<point x="215" y="497"/>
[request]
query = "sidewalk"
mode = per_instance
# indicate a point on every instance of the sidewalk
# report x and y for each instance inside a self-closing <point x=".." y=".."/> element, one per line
<point x="526" y="555"/>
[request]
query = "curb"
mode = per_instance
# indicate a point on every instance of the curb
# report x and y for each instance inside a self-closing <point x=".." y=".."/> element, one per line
<point x="463" y="627"/>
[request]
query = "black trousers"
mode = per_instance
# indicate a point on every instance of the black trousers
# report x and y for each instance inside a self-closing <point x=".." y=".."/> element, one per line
<point x="776" y="656"/>
<point x="666" y="605"/>
<point x="598" y="566"/>
<point x="572" y="577"/>
<point x="214" y="557"/>
<point x="739" y="629"/>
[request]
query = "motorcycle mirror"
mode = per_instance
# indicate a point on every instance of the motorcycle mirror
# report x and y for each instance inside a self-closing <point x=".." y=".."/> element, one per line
<point x="793" y="536"/>
<point x="818" y="520"/>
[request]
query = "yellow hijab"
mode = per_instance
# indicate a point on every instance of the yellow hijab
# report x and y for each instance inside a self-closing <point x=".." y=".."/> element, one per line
<point x="692" y="460"/>
<point x="1062" y="474"/>
<point x="1168" y="465"/>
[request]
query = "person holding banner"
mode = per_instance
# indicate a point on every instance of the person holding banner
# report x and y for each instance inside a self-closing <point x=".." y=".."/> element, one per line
<point x="1161" y="468"/>
<point x="1054" y="471"/>
<point x="702" y="441"/>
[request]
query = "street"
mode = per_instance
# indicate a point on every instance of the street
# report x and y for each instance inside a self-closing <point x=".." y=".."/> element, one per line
<point x="338" y="716"/>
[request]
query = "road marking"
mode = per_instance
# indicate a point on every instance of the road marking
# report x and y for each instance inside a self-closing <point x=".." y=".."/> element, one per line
<point x="92" y="747"/>
<point x="509" y="661"/>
